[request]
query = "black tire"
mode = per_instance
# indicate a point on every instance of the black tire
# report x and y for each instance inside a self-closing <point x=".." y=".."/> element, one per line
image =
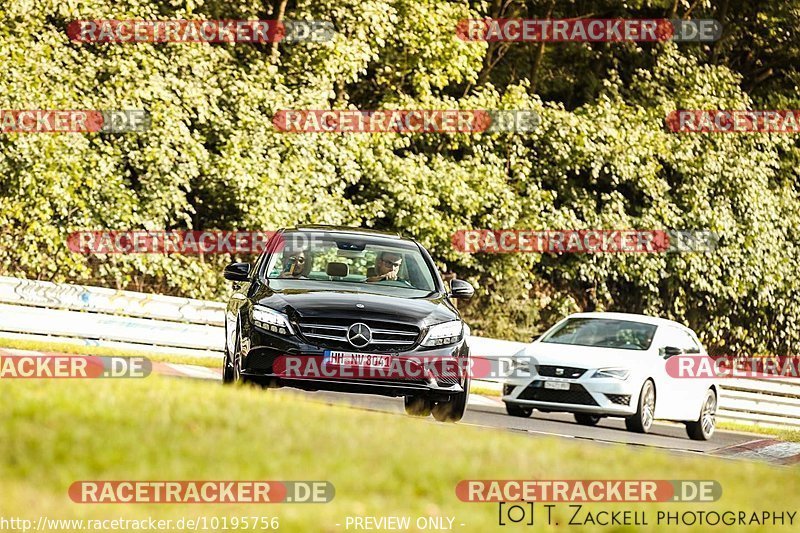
<point x="518" y="410"/>
<point x="236" y="365"/>
<point x="642" y="421"/>
<point x="452" y="410"/>
<point x="586" y="419"/>
<point x="227" y="370"/>
<point x="703" y="428"/>
<point x="417" y="406"/>
<point x="227" y="366"/>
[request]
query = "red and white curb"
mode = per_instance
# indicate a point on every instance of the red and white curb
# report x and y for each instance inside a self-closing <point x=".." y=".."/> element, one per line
<point x="768" y="450"/>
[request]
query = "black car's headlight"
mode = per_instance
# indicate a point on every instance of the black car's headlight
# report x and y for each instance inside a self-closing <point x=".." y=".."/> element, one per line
<point x="271" y="320"/>
<point x="444" y="333"/>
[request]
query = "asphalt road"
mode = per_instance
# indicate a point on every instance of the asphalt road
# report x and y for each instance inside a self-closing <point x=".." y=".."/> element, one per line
<point x="489" y="412"/>
<point x="666" y="436"/>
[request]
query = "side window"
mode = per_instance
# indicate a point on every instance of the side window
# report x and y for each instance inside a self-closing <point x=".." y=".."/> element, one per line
<point x="679" y="339"/>
<point x="260" y="267"/>
<point x="688" y="343"/>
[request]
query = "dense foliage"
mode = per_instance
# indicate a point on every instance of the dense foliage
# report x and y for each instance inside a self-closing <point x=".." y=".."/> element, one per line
<point x="601" y="157"/>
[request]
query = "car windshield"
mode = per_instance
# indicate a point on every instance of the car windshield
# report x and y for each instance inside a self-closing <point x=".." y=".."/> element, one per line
<point x="321" y="260"/>
<point x="603" y="333"/>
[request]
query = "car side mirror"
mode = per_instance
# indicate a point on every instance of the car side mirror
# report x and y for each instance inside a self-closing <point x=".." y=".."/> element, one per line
<point x="535" y="338"/>
<point x="237" y="272"/>
<point x="461" y="289"/>
<point x="671" y="351"/>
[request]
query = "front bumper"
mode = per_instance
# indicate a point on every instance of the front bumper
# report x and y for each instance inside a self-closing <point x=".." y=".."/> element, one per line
<point x="601" y="396"/>
<point x="265" y="356"/>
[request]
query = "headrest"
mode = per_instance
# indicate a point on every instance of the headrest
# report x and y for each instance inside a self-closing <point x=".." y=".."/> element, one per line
<point x="337" y="270"/>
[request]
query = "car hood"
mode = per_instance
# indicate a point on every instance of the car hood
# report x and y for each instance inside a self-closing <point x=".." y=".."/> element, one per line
<point x="583" y="356"/>
<point x="301" y="303"/>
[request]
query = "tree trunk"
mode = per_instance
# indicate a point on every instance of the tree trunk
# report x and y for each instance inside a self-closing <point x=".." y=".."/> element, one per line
<point x="538" y="52"/>
<point x="495" y="11"/>
<point x="278" y="10"/>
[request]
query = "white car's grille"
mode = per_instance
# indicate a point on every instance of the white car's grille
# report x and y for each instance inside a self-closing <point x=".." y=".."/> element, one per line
<point x="555" y="371"/>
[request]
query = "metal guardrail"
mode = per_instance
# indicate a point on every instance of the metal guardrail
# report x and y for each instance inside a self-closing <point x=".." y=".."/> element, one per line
<point x="44" y="294"/>
<point x="768" y="402"/>
<point x="60" y="312"/>
<point x="130" y="320"/>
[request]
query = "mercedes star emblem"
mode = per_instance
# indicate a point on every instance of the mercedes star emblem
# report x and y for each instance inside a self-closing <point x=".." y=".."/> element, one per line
<point x="359" y="335"/>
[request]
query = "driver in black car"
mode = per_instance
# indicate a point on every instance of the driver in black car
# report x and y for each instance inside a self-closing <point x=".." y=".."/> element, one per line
<point x="387" y="265"/>
<point x="296" y="264"/>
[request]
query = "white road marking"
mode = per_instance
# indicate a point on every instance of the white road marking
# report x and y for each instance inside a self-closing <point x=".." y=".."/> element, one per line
<point x="477" y="399"/>
<point x="194" y="371"/>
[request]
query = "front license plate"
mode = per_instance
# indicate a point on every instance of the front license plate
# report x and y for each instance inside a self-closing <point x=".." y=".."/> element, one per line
<point x="357" y="359"/>
<point x="557" y="385"/>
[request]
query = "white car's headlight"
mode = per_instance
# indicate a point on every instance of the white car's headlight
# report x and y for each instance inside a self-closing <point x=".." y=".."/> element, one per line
<point x="444" y="333"/>
<point x="520" y="364"/>
<point x="271" y="320"/>
<point x="617" y="373"/>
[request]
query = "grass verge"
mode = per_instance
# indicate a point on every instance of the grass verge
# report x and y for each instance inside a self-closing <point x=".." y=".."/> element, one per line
<point x="484" y="390"/>
<point x="54" y="432"/>
<point x="105" y="351"/>
<point x="791" y="435"/>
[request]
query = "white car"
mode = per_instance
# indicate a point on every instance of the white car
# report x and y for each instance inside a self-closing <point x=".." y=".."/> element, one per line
<point x="612" y="364"/>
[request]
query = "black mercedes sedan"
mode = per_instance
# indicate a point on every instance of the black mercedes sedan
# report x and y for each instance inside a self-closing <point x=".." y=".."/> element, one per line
<point x="349" y="310"/>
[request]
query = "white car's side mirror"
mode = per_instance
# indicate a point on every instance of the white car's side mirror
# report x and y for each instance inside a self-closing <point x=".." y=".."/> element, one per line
<point x="670" y="351"/>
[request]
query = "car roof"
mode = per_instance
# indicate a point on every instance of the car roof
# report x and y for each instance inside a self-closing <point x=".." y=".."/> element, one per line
<point x="346" y="229"/>
<point x="632" y="317"/>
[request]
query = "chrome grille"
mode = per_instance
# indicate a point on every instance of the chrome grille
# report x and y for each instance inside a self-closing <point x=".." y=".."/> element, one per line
<point x="332" y="333"/>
